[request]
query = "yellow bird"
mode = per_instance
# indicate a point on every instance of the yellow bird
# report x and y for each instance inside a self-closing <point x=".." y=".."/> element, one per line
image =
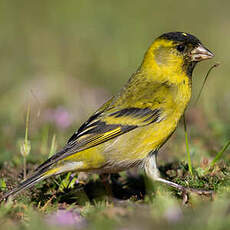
<point x="129" y="129"/>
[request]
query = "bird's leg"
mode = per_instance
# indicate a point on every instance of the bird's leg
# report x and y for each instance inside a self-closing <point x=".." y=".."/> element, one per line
<point x="105" y="180"/>
<point x="153" y="173"/>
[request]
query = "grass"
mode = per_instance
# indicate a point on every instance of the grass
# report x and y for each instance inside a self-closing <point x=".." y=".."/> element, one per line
<point x="65" y="60"/>
<point x="81" y="201"/>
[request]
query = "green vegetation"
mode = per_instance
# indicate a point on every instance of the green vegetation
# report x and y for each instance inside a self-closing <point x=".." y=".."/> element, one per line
<point x="64" y="59"/>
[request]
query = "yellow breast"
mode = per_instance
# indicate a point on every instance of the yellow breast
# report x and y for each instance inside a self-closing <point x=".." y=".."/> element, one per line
<point x="138" y="143"/>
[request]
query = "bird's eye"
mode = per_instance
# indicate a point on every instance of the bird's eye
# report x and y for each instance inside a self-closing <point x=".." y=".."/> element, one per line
<point x="180" y="48"/>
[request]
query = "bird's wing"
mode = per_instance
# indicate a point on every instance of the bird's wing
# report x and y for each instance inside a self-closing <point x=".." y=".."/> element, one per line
<point x="110" y="124"/>
<point x="107" y="123"/>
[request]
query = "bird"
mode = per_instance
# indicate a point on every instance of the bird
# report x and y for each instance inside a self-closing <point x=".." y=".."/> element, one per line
<point x="130" y="128"/>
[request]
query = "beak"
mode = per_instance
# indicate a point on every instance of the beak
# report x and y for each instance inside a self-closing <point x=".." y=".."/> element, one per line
<point x="201" y="53"/>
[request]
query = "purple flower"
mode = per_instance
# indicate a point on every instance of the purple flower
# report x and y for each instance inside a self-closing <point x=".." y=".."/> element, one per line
<point x="59" y="116"/>
<point x="66" y="218"/>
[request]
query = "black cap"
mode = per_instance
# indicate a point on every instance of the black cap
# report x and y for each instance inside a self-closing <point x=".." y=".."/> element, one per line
<point x="180" y="37"/>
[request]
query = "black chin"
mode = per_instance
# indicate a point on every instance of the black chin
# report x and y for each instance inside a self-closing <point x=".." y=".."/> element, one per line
<point x="190" y="68"/>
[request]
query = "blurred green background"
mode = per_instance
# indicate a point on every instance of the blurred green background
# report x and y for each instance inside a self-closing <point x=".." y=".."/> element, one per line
<point x="67" y="58"/>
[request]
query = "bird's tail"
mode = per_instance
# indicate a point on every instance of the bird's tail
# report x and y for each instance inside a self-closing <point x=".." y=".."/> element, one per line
<point x="25" y="184"/>
<point x="45" y="170"/>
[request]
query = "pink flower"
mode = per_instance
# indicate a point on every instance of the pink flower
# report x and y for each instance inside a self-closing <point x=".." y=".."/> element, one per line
<point x="66" y="218"/>
<point x="59" y="116"/>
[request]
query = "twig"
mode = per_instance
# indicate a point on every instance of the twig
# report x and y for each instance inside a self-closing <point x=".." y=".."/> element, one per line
<point x="205" y="79"/>
<point x="187" y="146"/>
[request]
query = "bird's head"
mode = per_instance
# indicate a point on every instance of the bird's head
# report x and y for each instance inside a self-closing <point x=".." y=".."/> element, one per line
<point x="175" y="52"/>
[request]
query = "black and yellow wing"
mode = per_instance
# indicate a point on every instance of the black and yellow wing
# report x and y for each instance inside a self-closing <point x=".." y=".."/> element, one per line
<point x="104" y="125"/>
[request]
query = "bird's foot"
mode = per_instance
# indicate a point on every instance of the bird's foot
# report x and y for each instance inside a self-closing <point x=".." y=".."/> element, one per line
<point x="185" y="190"/>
